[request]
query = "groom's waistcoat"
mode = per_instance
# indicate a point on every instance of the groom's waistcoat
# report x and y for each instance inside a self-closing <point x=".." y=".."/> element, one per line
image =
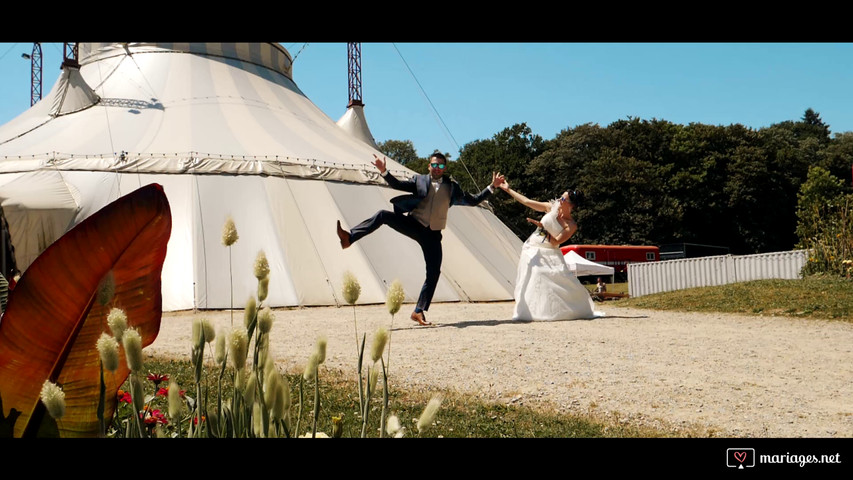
<point x="432" y="210"/>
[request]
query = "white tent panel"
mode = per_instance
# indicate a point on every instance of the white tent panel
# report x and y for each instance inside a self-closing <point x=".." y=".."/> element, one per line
<point x="301" y="255"/>
<point x="320" y="208"/>
<point x="39" y="207"/>
<point x="244" y="199"/>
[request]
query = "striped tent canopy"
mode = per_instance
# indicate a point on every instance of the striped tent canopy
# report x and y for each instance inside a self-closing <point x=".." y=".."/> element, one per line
<point x="227" y="132"/>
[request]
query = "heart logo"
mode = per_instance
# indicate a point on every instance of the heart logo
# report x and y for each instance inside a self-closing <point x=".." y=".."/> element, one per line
<point x="740" y="456"/>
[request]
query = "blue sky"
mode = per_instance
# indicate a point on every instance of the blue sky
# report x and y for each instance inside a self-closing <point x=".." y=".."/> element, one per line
<point x="478" y="89"/>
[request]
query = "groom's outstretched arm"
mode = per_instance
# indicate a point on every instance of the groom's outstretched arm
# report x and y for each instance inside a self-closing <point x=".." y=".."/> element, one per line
<point x="406" y="186"/>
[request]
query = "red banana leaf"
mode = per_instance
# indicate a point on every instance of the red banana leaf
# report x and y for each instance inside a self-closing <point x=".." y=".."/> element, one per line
<point x="54" y="319"/>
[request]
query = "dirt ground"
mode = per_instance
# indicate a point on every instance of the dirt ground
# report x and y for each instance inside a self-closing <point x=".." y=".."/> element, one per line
<point x="696" y="373"/>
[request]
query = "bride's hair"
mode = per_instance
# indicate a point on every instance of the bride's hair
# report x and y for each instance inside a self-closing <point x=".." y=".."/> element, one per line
<point x="576" y="197"/>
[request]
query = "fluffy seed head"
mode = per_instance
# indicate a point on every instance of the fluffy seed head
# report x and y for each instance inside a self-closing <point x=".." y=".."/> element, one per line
<point x="263" y="288"/>
<point x="53" y="398"/>
<point x="320" y="349"/>
<point x="175" y="403"/>
<point x="229" y="232"/>
<point x="117" y="321"/>
<point x="208" y="330"/>
<point x="380" y="338"/>
<point x="198" y="333"/>
<point x="429" y="413"/>
<point x="249" y="312"/>
<point x="219" y="350"/>
<point x="238" y="347"/>
<point x="249" y="392"/>
<point x="108" y="350"/>
<point x="392" y="426"/>
<point x="262" y="266"/>
<point x="351" y="288"/>
<point x="132" y="342"/>
<point x="395" y="297"/>
<point x="311" y="368"/>
<point x="265" y="319"/>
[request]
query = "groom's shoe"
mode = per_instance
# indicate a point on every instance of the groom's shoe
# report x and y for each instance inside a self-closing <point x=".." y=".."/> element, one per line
<point x="343" y="235"/>
<point x="420" y="318"/>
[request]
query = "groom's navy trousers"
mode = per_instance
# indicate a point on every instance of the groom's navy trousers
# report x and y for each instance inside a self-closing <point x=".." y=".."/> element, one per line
<point x="428" y="239"/>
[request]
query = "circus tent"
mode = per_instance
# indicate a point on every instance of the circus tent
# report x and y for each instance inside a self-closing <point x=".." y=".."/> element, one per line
<point x="227" y="132"/>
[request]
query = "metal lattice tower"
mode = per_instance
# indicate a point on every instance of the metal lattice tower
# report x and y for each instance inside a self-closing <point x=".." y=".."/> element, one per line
<point x="35" y="74"/>
<point x="69" y="52"/>
<point x="354" y="69"/>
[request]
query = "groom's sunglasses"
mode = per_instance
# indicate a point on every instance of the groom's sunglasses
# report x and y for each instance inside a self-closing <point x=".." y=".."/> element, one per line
<point x="437" y="165"/>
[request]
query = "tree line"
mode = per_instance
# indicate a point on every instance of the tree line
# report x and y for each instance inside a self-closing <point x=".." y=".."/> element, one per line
<point x="653" y="182"/>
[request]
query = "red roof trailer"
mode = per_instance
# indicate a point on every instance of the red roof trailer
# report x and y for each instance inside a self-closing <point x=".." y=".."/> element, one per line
<point x="616" y="256"/>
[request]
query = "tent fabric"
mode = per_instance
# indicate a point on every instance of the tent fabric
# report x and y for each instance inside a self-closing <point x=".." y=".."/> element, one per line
<point x="227" y="132"/>
<point x="355" y="123"/>
<point x="72" y="94"/>
<point x="582" y="266"/>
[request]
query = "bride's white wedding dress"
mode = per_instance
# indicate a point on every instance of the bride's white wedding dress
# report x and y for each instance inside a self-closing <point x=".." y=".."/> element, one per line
<point x="545" y="288"/>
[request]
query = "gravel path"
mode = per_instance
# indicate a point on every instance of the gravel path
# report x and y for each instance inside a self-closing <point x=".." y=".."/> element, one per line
<point x="698" y="374"/>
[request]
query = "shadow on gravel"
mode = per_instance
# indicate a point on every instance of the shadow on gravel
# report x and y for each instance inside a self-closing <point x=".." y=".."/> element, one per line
<point x="494" y="323"/>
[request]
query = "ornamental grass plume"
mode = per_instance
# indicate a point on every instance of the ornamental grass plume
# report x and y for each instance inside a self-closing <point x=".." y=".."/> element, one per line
<point x="175" y="403"/>
<point x="208" y="330"/>
<point x="53" y="399"/>
<point x="395" y="297"/>
<point x="238" y="347"/>
<point x="198" y="333"/>
<point x="132" y="342"/>
<point x="311" y="368"/>
<point x="108" y="351"/>
<point x="393" y="426"/>
<point x="262" y="266"/>
<point x="263" y="288"/>
<point x="249" y="391"/>
<point x="320" y="348"/>
<point x="219" y="350"/>
<point x="380" y="338"/>
<point x="428" y="414"/>
<point x="351" y="288"/>
<point x="117" y="321"/>
<point x="265" y="320"/>
<point x="229" y="232"/>
<point x="250" y="312"/>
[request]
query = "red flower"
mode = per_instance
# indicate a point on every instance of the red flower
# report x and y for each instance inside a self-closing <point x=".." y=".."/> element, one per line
<point x="157" y="378"/>
<point x="154" y="417"/>
<point x="195" y="419"/>
<point x="123" y="396"/>
<point x="163" y="392"/>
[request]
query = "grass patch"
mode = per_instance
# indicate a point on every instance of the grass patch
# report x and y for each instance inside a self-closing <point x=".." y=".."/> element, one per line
<point x="811" y="297"/>
<point x="460" y="416"/>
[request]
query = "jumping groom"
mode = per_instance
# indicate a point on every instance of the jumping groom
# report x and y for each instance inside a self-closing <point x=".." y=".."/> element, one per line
<point x="421" y="216"/>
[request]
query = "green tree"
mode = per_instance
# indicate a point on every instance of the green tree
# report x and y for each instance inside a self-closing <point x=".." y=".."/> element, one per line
<point x="402" y="151"/>
<point x="509" y="152"/>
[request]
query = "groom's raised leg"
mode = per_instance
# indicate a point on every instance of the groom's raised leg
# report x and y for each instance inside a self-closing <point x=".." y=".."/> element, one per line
<point x="344" y="236"/>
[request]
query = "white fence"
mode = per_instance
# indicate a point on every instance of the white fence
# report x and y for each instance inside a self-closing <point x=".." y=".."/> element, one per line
<point x="669" y="275"/>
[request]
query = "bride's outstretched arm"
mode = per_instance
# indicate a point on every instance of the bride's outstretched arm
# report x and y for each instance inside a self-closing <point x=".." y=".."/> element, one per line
<point x="535" y="205"/>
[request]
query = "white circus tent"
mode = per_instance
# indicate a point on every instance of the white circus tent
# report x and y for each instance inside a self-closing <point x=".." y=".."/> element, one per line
<point x="227" y="132"/>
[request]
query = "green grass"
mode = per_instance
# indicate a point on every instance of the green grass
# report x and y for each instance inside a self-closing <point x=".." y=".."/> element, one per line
<point x="811" y="297"/>
<point x="459" y="416"/>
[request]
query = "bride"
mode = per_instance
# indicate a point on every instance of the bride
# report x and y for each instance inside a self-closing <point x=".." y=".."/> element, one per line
<point x="545" y="288"/>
